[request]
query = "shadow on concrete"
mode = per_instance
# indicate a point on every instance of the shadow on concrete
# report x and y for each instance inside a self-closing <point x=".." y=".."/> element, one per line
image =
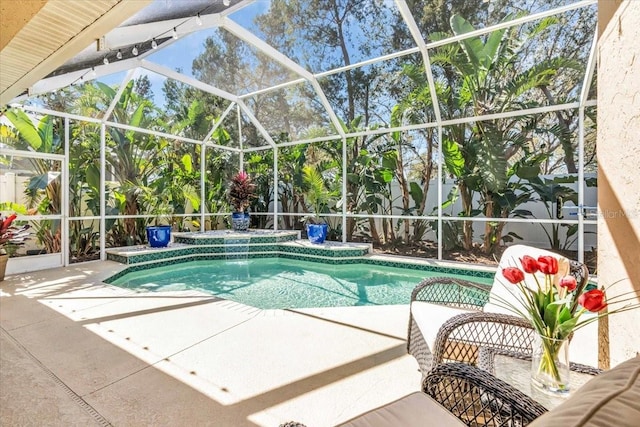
<point x="110" y="385"/>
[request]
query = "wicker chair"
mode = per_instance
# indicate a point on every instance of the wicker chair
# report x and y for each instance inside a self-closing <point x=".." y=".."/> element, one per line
<point x="454" y="320"/>
<point x="469" y="338"/>
<point x="478" y="398"/>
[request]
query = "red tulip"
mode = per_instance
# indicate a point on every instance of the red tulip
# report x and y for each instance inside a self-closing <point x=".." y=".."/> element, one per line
<point x="593" y="300"/>
<point x="513" y="274"/>
<point x="568" y="282"/>
<point x="548" y="264"/>
<point x="529" y="264"/>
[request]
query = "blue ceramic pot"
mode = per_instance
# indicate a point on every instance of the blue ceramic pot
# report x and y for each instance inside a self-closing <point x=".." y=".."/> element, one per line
<point x="317" y="233"/>
<point x="240" y="221"/>
<point x="159" y="236"/>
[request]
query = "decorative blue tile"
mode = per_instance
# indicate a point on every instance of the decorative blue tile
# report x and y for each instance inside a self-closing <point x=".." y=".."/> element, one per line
<point x="255" y="244"/>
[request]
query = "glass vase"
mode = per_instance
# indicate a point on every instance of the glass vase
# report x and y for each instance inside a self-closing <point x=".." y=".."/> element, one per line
<point x="550" y="365"/>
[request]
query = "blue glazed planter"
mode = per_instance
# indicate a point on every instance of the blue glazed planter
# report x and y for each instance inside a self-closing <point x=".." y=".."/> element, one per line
<point x="240" y="221"/>
<point x="317" y="233"/>
<point x="159" y="236"/>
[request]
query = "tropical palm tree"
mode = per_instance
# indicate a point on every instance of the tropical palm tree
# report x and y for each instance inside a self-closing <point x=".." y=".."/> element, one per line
<point x="491" y="78"/>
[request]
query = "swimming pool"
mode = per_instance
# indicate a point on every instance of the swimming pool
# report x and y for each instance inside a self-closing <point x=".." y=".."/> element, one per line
<point x="278" y="283"/>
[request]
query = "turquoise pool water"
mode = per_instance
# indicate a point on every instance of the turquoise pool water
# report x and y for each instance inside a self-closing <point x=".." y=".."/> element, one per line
<point x="270" y="283"/>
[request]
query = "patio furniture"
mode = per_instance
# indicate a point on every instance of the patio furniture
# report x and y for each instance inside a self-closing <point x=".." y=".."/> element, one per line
<point x="479" y="399"/>
<point x="458" y="320"/>
<point x="462" y="393"/>
<point x="409" y="411"/>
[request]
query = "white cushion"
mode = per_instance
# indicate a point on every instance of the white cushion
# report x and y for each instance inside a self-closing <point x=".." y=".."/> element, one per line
<point x="414" y="410"/>
<point x="430" y="317"/>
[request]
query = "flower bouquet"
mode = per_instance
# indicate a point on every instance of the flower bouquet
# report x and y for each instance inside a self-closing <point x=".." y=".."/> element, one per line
<point x="554" y="302"/>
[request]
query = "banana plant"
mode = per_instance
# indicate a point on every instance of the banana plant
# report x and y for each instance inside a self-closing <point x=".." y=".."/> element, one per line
<point x="134" y="158"/>
<point x="44" y="188"/>
<point x="491" y="81"/>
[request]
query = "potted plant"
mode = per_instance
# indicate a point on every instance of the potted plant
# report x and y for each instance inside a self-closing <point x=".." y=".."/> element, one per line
<point x="317" y="196"/>
<point x="241" y="191"/>
<point x="10" y="238"/>
<point x="159" y="234"/>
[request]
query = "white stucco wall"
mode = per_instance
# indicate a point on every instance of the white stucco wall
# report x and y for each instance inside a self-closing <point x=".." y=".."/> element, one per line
<point x="619" y="171"/>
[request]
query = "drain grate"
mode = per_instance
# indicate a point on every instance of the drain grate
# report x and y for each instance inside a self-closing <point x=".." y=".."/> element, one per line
<point x="102" y="421"/>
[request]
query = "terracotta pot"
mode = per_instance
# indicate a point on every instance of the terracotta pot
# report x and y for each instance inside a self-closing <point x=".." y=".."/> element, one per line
<point x="3" y="265"/>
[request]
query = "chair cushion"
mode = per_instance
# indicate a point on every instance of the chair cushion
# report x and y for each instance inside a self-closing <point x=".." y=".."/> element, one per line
<point x="414" y="410"/>
<point x="430" y="317"/>
<point x="610" y="399"/>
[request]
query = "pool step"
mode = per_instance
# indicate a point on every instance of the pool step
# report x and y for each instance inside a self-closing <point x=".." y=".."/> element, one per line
<point x="251" y="244"/>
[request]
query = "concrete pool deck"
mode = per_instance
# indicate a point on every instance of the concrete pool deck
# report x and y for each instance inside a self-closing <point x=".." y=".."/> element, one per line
<point x="76" y="351"/>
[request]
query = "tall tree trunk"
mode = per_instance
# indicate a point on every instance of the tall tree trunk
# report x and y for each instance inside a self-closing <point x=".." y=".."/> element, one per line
<point x="467" y="226"/>
<point x="373" y="230"/>
<point x="488" y="227"/>
<point x="130" y="208"/>
<point x="347" y="61"/>
<point x="404" y="188"/>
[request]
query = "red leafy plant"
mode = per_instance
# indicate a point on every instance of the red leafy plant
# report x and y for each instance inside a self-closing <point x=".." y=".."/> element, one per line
<point x="554" y="306"/>
<point x="11" y="235"/>
<point x="241" y="191"/>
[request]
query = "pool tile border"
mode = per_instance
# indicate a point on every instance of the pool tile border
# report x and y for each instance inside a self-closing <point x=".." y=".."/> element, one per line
<point x="203" y="247"/>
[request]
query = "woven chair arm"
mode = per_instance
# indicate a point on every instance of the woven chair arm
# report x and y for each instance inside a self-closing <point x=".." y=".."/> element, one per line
<point x="478" y="398"/>
<point x="452" y="292"/>
<point x="469" y="336"/>
<point x="463" y="336"/>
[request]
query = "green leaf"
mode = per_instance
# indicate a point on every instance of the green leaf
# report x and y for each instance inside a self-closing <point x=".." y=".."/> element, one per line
<point x="551" y="314"/>
<point x="136" y="117"/>
<point x="491" y="49"/>
<point x="385" y="175"/>
<point x="93" y="176"/>
<point x="416" y="193"/>
<point x="453" y="158"/>
<point x="25" y="126"/>
<point x="353" y="178"/>
<point x="565" y="314"/>
<point x="106" y="89"/>
<point x="472" y="46"/>
<point x="45" y="129"/>
<point x="187" y="164"/>
<point x="390" y="160"/>
<point x="38" y="182"/>
<point x="565" y="328"/>
<point x="494" y="172"/>
<point x="528" y="172"/>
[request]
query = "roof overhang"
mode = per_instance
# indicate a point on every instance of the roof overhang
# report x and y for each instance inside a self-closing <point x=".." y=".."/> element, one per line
<point x="40" y="38"/>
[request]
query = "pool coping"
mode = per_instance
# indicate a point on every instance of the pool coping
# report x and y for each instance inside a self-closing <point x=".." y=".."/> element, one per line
<point x="420" y="264"/>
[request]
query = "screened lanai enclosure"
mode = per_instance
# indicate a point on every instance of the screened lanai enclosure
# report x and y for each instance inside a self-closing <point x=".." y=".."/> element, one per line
<point x="445" y="129"/>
